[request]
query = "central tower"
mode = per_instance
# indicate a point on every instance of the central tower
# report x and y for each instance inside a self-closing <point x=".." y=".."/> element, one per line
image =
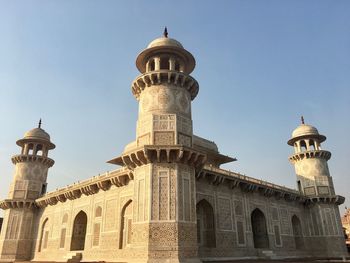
<point x="162" y="159"/>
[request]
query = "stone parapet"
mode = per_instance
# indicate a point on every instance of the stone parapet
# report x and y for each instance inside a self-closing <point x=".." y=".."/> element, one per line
<point x="91" y="186"/>
<point x="32" y="158"/>
<point x="219" y="176"/>
<point x="310" y="154"/>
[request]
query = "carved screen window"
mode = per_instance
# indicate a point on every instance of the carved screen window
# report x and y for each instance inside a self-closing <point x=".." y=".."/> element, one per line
<point x="96" y="234"/>
<point x="186" y="199"/>
<point x="12" y="231"/>
<point x="164" y="122"/>
<point x="163" y="185"/>
<point x="240" y="233"/>
<point x="141" y="200"/>
<point x="277" y="235"/>
<point x="322" y="180"/>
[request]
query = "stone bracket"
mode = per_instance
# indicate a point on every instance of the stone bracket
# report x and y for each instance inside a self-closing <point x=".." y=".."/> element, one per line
<point x="161" y="153"/>
<point x="170" y="77"/>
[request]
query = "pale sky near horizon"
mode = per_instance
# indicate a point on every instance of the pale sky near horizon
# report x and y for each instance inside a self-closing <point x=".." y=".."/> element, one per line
<point x="260" y="66"/>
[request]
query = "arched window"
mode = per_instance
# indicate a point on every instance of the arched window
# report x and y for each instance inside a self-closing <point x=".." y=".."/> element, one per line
<point x="125" y="225"/>
<point x="39" y="150"/>
<point x="164" y="63"/>
<point x="260" y="237"/>
<point x="44" y="235"/>
<point x="205" y="224"/>
<point x="312" y="145"/>
<point x="297" y="232"/>
<point x="65" y="218"/>
<point x="303" y="146"/>
<point x="98" y="211"/>
<point x="63" y="230"/>
<point x="151" y="65"/>
<point x="30" y="148"/>
<point x="177" y="66"/>
<point x="79" y="231"/>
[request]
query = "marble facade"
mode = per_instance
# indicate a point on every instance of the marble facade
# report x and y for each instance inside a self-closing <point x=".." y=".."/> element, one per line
<point x="170" y="201"/>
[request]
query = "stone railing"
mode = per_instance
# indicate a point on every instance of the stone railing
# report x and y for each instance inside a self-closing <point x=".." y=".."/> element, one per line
<point x="218" y="176"/>
<point x="32" y="158"/>
<point x="310" y="154"/>
<point x="90" y="186"/>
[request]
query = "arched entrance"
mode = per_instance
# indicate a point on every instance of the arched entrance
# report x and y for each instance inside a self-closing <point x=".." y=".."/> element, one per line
<point x="205" y="224"/>
<point x="79" y="231"/>
<point x="44" y="236"/>
<point x="297" y="232"/>
<point x="260" y="237"/>
<point x="125" y="225"/>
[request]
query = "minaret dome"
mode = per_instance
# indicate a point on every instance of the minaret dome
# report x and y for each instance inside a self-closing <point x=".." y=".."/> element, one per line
<point x="305" y="138"/>
<point x="36" y="142"/>
<point x="165" y="53"/>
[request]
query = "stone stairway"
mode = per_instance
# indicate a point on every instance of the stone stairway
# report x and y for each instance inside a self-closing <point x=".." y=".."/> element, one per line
<point x="74" y="257"/>
<point x="267" y="254"/>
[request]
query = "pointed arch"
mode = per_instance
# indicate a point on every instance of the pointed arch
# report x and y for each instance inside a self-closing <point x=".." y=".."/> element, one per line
<point x="79" y="231"/>
<point x="206" y="236"/>
<point x="297" y="232"/>
<point x="125" y="225"/>
<point x="260" y="236"/>
<point x="44" y="235"/>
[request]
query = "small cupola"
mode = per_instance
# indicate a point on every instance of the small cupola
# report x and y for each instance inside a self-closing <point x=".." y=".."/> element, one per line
<point x="306" y="138"/>
<point x="36" y="142"/>
<point x="165" y="54"/>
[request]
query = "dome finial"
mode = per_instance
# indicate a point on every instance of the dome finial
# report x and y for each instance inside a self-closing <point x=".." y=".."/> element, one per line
<point x="302" y="120"/>
<point x="165" y="33"/>
<point x="39" y="126"/>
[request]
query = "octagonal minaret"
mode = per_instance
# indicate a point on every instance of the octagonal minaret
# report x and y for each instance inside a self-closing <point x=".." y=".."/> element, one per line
<point x="165" y="90"/>
<point x="310" y="161"/>
<point x="29" y="183"/>
<point x="162" y="159"/>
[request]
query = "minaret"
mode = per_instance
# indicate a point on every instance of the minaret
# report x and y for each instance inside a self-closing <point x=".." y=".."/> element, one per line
<point x="29" y="183"/>
<point x="310" y="161"/>
<point x="316" y="184"/>
<point x="162" y="159"/>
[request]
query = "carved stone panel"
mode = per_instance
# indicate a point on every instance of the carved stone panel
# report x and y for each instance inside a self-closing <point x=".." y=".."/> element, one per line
<point x="224" y="214"/>
<point x="164" y="138"/>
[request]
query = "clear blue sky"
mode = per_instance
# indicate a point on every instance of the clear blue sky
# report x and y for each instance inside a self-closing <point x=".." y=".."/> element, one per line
<point x="260" y="65"/>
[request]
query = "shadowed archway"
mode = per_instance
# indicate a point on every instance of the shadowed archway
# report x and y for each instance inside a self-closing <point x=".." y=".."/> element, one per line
<point x="79" y="231"/>
<point x="125" y="225"/>
<point x="44" y="235"/>
<point x="297" y="232"/>
<point x="260" y="236"/>
<point x="205" y="224"/>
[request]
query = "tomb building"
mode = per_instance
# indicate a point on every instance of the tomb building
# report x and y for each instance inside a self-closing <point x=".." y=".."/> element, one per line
<point x="170" y="200"/>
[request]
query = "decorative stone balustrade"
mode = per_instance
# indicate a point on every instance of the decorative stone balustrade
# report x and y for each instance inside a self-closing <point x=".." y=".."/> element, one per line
<point x="219" y="176"/>
<point x="165" y="76"/>
<point x="91" y="186"/>
<point x="310" y="154"/>
<point x="32" y="158"/>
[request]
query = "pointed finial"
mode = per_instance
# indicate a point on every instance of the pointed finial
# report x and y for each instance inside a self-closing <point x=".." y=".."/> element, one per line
<point x="302" y="120"/>
<point x="39" y="126"/>
<point x="165" y="34"/>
